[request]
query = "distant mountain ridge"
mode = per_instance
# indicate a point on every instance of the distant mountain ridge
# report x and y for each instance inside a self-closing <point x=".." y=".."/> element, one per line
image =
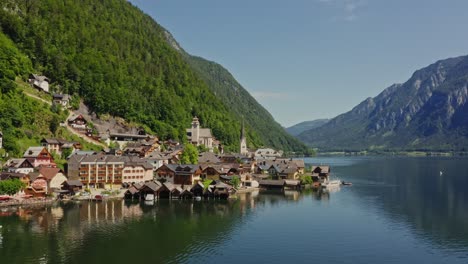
<point x="428" y="112"/>
<point x="306" y="125"/>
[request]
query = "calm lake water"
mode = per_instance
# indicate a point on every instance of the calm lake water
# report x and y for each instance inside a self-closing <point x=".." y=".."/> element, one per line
<point x="399" y="210"/>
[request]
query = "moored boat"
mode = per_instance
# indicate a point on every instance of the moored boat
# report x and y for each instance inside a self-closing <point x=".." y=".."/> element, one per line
<point x="331" y="184"/>
<point x="346" y="183"/>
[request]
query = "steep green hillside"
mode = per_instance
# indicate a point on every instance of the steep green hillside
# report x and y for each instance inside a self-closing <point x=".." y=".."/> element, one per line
<point x="24" y="121"/>
<point x="427" y="112"/>
<point x="117" y="59"/>
<point x="258" y="119"/>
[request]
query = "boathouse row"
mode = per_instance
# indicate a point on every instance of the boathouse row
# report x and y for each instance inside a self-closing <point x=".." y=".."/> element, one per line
<point x="153" y="190"/>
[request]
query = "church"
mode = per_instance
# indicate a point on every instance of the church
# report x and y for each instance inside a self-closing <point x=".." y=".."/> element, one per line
<point x="200" y="136"/>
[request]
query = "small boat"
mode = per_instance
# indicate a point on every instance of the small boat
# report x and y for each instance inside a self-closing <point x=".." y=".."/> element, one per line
<point x="346" y="183"/>
<point x="197" y="198"/>
<point x="98" y="198"/>
<point x="331" y="184"/>
<point x="149" y="197"/>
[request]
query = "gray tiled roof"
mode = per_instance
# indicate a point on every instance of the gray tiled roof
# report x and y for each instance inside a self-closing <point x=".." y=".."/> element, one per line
<point x="32" y="152"/>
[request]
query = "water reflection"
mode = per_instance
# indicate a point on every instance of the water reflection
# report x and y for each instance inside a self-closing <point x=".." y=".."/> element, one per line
<point x="391" y="199"/>
<point x="103" y="231"/>
<point x="411" y="190"/>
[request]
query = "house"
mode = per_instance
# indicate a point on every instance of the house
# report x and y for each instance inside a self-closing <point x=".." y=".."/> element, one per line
<point x="289" y="172"/>
<point x="13" y="175"/>
<point x="19" y="166"/>
<point x="208" y="158"/>
<point x="179" y="174"/>
<point x="200" y="136"/>
<point x="38" y="185"/>
<point x="39" y="156"/>
<point x="61" y="99"/>
<point x="297" y="163"/>
<point x="124" y="139"/>
<point x="212" y="172"/>
<point x="54" y="177"/>
<point x="39" y="82"/>
<point x="321" y="173"/>
<point x="143" y="148"/>
<point x="158" y="158"/>
<point x="58" y="145"/>
<point x="78" y="122"/>
<point x="280" y="168"/>
<point x="267" y="153"/>
<point x="171" y="144"/>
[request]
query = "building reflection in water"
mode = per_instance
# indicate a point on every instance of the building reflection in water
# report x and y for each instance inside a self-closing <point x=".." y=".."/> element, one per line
<point x="111" y="211"/>
<point x="79" y="217"/>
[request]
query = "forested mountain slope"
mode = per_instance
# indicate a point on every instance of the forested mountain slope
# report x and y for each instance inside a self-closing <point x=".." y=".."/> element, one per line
<point x="117" y="59"/>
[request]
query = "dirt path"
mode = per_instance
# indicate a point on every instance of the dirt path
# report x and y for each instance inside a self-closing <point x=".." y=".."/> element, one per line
<point x="37" y="98"/>
<point x="69" y="128"/>
<point x="84" y="137"/>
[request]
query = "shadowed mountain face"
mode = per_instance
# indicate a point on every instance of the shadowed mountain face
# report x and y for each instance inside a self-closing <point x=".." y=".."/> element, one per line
<point x="306" y="125"/>
<point x="428" y="112"/>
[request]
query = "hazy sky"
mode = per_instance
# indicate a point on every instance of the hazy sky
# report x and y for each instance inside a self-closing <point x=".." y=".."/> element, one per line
<point x="309" y="59"/>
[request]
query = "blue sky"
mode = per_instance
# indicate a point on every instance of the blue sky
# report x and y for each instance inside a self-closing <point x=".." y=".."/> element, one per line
<point x="309" y="59"/>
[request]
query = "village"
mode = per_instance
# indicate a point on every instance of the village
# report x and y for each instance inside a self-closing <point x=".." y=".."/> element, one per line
<point x="142" y="167"/>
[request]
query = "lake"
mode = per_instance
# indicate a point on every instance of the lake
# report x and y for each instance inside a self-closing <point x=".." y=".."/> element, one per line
<point x="398" y="210"/>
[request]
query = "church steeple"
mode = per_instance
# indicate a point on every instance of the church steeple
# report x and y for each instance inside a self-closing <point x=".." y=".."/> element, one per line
<point x="243" y="141"/>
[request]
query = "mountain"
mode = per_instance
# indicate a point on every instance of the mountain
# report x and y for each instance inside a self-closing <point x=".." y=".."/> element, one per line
<point x="225" y="87"/>
<point x="428" y="112"/>
<point x="306" y="125"/>
<point x="24" y="121"/>
<point x="118" y="60"/>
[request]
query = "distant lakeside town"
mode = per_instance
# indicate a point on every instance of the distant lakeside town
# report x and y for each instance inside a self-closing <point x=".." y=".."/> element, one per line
<point x="140" y="166"/>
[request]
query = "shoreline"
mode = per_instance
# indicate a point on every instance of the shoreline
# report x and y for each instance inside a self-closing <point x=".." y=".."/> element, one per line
<point x="27" y="203"/>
